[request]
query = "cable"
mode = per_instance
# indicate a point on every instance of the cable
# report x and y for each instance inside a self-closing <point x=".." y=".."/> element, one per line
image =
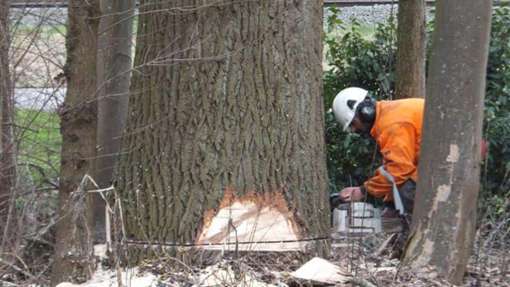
<point x="175" y="244"/>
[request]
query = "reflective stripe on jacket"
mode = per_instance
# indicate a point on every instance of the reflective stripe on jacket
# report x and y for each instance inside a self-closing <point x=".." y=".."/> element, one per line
<point x="397" y="131"/>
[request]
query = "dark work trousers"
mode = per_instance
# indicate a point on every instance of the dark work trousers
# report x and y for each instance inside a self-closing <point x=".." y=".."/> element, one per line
<point x="407" y="192"/>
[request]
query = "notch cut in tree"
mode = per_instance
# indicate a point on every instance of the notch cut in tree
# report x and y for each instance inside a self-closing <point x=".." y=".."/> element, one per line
<point x="445" y="207"/>
<point x="260" y="222"/>
<point x="226" y="105"/>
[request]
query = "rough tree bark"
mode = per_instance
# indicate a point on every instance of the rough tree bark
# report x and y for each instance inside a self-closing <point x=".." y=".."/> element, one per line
<point x="7" y="145"/>
<point x="225" y="107"/>
<point x="411" y="46"/>
<point x="78" y="116"/>
<point x="445" y="210"/>
<point x="113" y="75"/>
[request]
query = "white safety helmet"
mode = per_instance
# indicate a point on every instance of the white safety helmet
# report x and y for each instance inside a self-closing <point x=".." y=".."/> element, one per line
<point x="345" y="103"/>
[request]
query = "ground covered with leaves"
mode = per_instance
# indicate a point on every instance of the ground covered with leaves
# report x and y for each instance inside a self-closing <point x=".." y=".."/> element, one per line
<point x="359" y="261"/>
<point x="353" y="261"/>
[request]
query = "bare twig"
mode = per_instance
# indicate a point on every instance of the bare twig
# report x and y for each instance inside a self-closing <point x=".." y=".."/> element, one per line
<point x="24" y="272"/>
<point x="357" y="281"/>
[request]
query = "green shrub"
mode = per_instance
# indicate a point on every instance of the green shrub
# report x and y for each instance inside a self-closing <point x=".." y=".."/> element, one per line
<point x="496" y="178"/>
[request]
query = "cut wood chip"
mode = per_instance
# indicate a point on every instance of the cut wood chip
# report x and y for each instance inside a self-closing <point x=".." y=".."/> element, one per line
<point x="322" y="271"/>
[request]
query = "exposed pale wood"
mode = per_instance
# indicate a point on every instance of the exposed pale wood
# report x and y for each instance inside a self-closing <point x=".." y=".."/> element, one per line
<point x="249" y="222"/>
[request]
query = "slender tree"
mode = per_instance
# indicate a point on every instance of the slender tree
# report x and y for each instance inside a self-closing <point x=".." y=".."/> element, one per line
<point x="225" y="106"/>
<point x="113" y="72"/>
<point x="78" y="118"/>
<point x="411" y="45"/>
<point x="7" y="145"/>
<point x="445" y="211"/>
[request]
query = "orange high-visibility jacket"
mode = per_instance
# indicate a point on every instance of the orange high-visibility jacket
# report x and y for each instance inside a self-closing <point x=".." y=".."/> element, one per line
<point x="397" y="131"/>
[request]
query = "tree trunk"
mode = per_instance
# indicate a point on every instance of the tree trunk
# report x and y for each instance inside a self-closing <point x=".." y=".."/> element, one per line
<point x="411" y="46"/>
<point x="226" y="110"/>
<point x="7" y="146"/>
<point x="445" y="209"/>
<point x="113" y="71"/>
<point x="78" y="115"/>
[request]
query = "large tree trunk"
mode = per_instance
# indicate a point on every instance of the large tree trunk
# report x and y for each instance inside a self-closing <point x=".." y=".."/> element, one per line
<point x="411" y="46"/>
<point x="445" y="210"/>
<point x="7" y="146"/>
<point x="226" y="109"/>
<point x="113" y="72"/>
<point x="78" y="115"/>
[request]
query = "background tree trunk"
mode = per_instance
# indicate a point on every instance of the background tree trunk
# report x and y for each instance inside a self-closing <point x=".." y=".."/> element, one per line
<point x="78" y="115"/>
<point x="7" y="145"/>
<point x="445" y="211"/>
<point x="411" y="46"/>
<point x="225" y="106"/>
<point x="113" y="71"/>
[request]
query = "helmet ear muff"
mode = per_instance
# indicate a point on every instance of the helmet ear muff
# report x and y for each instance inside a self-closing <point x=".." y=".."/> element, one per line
<point x="366" y="110"/>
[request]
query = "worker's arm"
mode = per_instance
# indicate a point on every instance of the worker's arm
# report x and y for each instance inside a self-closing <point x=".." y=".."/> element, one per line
<point x="397" y="147"/>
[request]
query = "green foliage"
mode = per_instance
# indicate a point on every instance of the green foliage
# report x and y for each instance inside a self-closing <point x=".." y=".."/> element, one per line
<point x="497" y="105"/>
<point x="368" y="62"/>
<point x="45" y="30"/>
<point x="361" y="61"/>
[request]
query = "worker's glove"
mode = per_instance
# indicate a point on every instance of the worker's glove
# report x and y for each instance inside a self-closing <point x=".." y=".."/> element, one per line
<point x="347" y="194"/>
<point x="353" y="193"/>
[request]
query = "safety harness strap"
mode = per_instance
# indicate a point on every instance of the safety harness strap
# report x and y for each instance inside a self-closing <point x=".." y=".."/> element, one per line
<point x="396" y="195"/>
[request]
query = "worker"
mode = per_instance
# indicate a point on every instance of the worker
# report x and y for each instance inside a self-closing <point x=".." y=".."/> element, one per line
<point x="396" y="127"/>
